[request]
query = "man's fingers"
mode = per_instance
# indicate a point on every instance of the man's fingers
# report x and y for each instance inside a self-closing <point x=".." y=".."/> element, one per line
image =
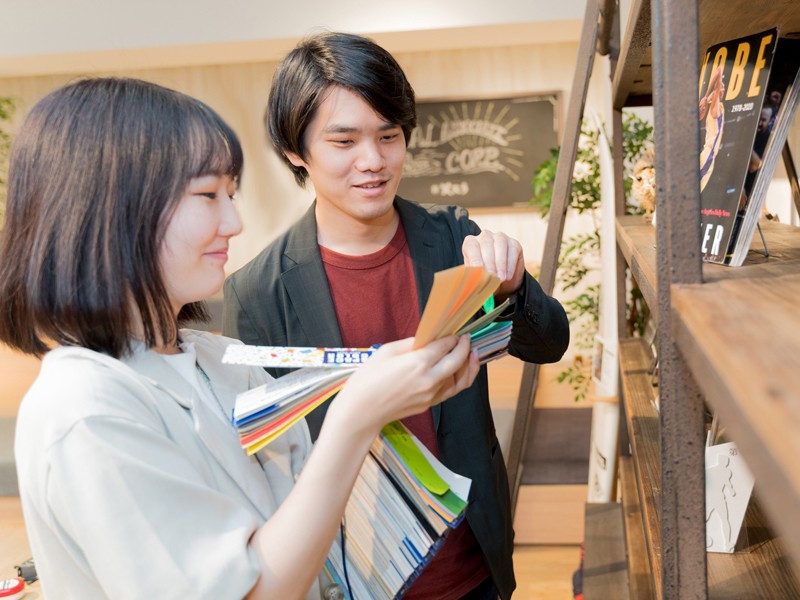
<point x="471" y="249"/>
<point x="495" y="252"/>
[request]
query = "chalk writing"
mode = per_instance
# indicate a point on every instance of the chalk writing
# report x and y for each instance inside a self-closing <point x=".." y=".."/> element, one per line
<point x="481" y="152"/>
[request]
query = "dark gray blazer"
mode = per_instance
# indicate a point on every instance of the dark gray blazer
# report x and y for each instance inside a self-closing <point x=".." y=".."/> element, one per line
<point x="281" y="298"/>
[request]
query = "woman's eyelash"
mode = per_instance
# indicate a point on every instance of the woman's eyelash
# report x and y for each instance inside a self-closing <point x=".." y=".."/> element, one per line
<point x="213" y="195"/>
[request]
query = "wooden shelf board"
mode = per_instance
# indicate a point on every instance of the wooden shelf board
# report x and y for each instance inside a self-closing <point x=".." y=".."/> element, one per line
<point x="739" y="338"/>
<point x="640" y="575"/>
<point x="637" y="241"/>
<point x="643" y="431"/>
<point x="722" y="21"/>
<point x="718" y="22"/>
<point x="633" y="77"/>
<point x="759" y="567"/>
<point x="763" y="559"/>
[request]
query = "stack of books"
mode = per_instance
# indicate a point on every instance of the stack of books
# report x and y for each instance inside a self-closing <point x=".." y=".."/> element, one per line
<point x="264" y="413"/>
<point x="403" y="505"/>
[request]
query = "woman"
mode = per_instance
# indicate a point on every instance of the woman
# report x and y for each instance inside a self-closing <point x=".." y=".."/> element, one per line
<point x="132" y="480"/>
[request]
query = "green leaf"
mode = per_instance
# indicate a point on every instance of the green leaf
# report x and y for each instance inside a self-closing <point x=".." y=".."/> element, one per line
<point x="580" y="254"/>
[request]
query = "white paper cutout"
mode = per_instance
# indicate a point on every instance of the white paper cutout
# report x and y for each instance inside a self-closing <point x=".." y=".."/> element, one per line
<point x="729" y="484"/>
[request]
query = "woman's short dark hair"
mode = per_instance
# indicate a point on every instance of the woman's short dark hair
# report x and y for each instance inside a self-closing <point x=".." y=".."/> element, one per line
<point x="96" y="171"/>
<point x="334" y="59"/>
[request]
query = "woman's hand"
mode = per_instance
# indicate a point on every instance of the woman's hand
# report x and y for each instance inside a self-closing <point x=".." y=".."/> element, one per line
<point x="397" y="382"/>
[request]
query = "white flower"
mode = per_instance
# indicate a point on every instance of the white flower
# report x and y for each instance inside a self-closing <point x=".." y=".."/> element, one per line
<point x="582" y="170"/>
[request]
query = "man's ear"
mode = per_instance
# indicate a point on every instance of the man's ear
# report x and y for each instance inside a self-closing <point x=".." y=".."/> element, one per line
<point x="295" y="159"/>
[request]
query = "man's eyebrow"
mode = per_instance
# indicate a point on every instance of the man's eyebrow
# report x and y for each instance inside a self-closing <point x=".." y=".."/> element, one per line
<point x="335" y="128"/>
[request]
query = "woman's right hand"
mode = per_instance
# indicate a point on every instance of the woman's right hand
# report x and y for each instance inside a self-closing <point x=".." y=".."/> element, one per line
<point x="397" y="382"/>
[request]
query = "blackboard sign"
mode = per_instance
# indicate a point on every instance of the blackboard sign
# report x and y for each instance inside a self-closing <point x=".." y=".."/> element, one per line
<point x="479" y="153"/>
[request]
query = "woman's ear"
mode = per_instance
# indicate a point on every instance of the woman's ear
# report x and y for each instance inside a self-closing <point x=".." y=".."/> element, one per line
<point x="295" y="159"/>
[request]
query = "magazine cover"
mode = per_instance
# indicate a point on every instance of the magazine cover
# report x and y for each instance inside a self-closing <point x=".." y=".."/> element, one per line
<point x="774" y="122"/>
<point x="733" y="85"/>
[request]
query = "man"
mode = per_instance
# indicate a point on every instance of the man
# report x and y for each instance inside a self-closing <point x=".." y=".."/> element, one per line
<point x="357" y="270"/>
<point x="759" y="145"/>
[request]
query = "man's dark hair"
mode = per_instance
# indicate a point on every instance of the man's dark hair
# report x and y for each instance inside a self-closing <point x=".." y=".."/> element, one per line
<point x="329" y="59"/>
<point x="96" y="171"/>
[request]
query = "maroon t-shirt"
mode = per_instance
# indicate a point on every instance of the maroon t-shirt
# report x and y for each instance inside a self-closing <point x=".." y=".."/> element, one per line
<point x="375" y="299"/>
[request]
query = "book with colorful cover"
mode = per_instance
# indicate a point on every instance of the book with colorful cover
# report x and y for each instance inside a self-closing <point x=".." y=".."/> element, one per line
<point x="295" y="357"/>
<point x="733" y="84"/>
<point x="777" y="115"/>
<point x="403" y="505"/>
<point x="487" y="337"/>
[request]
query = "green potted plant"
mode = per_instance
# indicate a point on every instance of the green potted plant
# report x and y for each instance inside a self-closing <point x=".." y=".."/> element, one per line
<point x="580" y="253"/>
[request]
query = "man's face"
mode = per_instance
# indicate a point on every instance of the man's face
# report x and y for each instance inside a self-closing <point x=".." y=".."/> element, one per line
<point x="354" y="159"/>
<point x="763" y="120"/>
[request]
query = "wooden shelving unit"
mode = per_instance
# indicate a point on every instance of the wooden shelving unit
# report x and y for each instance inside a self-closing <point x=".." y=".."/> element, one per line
<point x="760" y="569"/>
<point x="727" y="337"/>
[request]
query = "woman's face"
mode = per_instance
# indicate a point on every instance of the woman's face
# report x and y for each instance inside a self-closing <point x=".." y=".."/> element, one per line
<point x="195" y="247"/>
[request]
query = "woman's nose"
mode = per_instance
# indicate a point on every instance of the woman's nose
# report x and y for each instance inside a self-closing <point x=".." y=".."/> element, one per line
<point x="231" y="223"/>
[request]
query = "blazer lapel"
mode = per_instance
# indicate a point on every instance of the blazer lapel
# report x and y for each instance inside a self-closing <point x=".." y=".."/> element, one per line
<point x="425" y="246"/>
<point x="307" y="285"/>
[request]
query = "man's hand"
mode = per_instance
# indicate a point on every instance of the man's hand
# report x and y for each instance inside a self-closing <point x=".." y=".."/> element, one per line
<point x="499" y="255"/>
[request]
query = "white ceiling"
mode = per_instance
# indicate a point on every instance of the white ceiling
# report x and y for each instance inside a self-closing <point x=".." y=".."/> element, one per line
<point x="51" y="36"/>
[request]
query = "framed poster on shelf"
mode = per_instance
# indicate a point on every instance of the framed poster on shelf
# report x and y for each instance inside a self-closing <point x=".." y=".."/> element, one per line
<point x="479" y="152"/>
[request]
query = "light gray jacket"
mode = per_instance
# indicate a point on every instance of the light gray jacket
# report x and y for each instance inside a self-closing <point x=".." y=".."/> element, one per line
<point x="134" y="486"/>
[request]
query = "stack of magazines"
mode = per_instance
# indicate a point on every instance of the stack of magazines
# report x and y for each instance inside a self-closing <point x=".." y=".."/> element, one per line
<point x="402" y="507"/>
<point x="263" y="413"/>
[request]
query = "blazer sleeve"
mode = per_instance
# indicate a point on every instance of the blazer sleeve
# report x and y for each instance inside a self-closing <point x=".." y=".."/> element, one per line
<point x="540" y="332"/>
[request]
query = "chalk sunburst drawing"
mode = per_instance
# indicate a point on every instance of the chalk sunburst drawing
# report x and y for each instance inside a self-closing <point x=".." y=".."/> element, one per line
<point x="459" y="143"/>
